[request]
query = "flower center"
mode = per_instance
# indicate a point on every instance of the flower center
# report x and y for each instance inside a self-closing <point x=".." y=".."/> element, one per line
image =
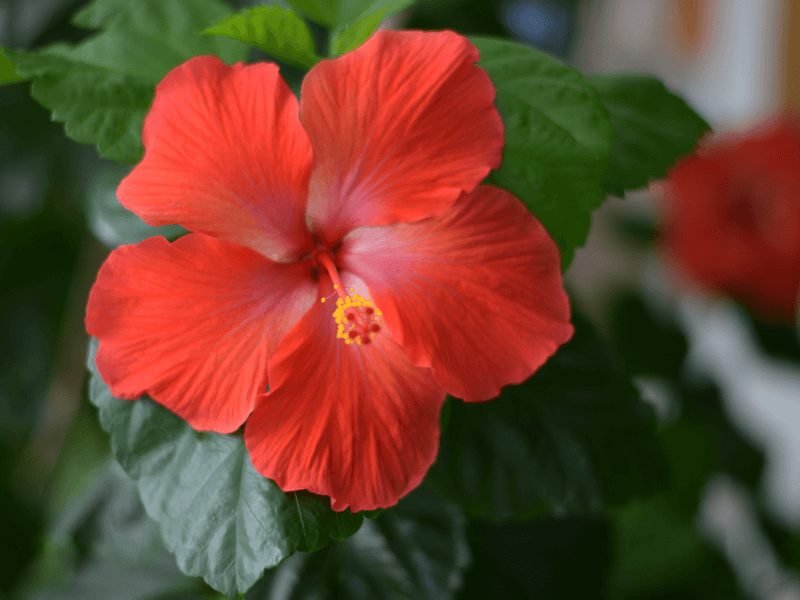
<point x="358" y="321"/>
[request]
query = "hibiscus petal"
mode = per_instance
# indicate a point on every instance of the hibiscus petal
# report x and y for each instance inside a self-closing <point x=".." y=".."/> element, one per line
<point x="225" y="155"/>
<point x="476" y="294"/>
<point x="400" y="127"/>
<point x="357" y="423"/>
<point x="732" y="218"/>
<point x="193" y="323"/>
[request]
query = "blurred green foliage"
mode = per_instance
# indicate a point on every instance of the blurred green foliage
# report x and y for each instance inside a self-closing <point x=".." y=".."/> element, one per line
<point x="73" y="525"/>
<point x="41" y="234"/>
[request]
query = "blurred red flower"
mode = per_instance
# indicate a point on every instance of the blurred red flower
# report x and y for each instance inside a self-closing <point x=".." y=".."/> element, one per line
<point x="733" y="217"/>
<point x="365" y="192"/>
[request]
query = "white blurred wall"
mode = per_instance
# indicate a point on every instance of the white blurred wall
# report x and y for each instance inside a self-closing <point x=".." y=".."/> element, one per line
<point x="732" y="78"/>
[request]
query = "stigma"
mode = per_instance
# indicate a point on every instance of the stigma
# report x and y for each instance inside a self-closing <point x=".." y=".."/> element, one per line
<point x="358" y="320"/>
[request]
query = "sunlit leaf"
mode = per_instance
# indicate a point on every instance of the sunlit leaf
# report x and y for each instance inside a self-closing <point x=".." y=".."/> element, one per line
<point x="558" y="138"/>
<point x="350" y="34"/>
<point x="653" y="128"/>
<point x="351" y="21"/>
<point x="8" y="71"/>
<point x="274" y="29"/>
<point x="221" y="519"/>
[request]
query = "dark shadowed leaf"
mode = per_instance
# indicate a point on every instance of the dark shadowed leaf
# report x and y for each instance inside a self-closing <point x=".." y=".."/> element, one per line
<point x="274" y="29"/>
<point x="415" y="551"/>
<point x="649" y="343"/>
<point x="545" y="559"/>
<point x="653" y="128"/>
<point x="698" y="437"/>
<point x="219" y="517"/>
<point x="572" y="439"/>
<point x="558" y="138"/>
<point x="102" y="88"/>
<point x="776" y="339"/>
<point x="660" y="553"/>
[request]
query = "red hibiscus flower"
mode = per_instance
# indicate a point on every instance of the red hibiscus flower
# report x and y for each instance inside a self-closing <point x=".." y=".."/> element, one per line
<point x="344" y="271"/>
<point x="733" y="218"/>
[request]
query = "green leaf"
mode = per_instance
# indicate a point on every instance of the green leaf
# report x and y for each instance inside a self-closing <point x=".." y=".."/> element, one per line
<point x="572" y="439"/>
<point x="558" y="138"/>
<point x="97" y="106"/>
<point x="126" y="559"/>
<point x="274" y="29"/>
<point x="652" y="127"/>
<point x="337" y="13"/>
<point x="648" y="343"/>
<point x="417" y="550"/>
<point x="218" y="516"/>
<point x="112" y="223"/>
<point x="540" y="559"/>
<point x="102" y="88"/>
<point x="8" y="71"/>
<point x="350" y="11"/>
<point x="353" y="32"/>
<point x="351" y="21"/>
<point x="324" y="12"/>
<point x="99" y="13"/>
<point x="660" y="553"/>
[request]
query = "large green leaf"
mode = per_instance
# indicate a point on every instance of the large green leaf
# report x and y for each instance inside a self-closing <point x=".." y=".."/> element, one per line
<point x="356" y="28"/>
<point x="572" y="439"/>
<point x="8" y="72"/>
<point x="416" y="551"/>
<point x="652" y="127"/>
<point x="97" y="106"/>
<point x="274" y="29"/>
<point x="558" y="138"/>
<point x="112" y="223"/>
<point x="102" y="88"/>
<point x="217" y="515"/>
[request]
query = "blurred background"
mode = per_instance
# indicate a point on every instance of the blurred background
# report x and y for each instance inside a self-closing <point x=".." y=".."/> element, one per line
<point x="726" y="385"/>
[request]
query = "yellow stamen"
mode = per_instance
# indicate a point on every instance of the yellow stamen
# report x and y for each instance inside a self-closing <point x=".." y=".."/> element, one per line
<point x="357" y="319"/>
